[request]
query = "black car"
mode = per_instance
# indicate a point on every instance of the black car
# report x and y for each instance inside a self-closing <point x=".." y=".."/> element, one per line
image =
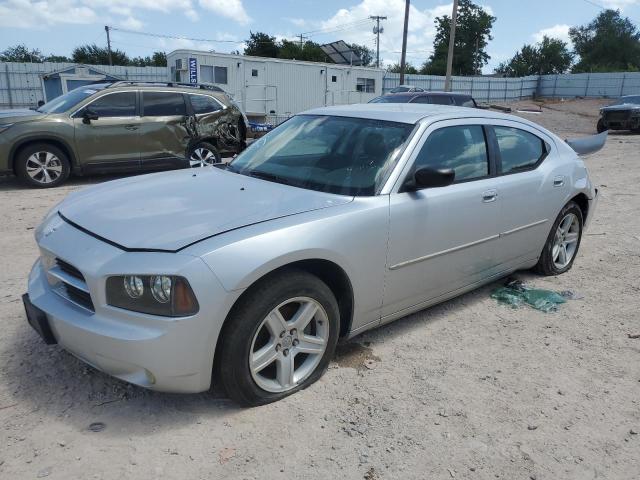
<point x="434" y="98"/>
<point x="623" y="114"/>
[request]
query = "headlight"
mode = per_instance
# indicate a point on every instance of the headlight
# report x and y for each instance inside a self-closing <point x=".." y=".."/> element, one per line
<point x="4" y="126"/>
<point x="165" y="295"/>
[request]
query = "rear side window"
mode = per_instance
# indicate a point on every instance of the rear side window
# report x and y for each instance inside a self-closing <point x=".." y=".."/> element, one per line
<point x="115" y="105"/>
<point x="161" y="104"/>
<point x="204" y="104"/>
<point x="519" y="150"/>
<point x="462" y="148"/>
<point x="440" y="99"/>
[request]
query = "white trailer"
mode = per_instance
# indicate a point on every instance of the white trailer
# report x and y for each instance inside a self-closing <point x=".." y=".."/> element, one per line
<point x="272" y="87"/>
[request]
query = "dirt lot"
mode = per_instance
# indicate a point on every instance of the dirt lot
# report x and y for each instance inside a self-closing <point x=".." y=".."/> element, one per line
<point x="468" y="389"/>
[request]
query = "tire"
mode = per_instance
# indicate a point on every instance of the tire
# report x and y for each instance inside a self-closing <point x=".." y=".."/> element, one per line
<point x="600" y="126"/>
<point x="551" y="261"/>
<point x="204" y="154"/>
<point x="42" y="165"/>
<point x="248" y="333"/>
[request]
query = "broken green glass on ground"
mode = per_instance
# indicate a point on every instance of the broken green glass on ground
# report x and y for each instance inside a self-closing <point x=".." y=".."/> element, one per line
<point x="515" y="294"/>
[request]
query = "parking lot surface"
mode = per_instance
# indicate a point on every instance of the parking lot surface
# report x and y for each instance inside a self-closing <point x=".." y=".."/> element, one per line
<point x="467" y="389"/>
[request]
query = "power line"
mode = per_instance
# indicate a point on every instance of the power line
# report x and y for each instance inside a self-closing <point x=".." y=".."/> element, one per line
<point x="339" y="26"/>
<point x="595" y="4"/>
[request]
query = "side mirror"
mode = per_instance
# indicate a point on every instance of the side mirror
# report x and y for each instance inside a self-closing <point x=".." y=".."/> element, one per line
<point x="430" y="178"/>
<point x="88" y="115"/>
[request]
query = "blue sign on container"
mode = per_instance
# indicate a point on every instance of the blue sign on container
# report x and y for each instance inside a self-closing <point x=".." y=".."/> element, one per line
<point x="193" y="70"/>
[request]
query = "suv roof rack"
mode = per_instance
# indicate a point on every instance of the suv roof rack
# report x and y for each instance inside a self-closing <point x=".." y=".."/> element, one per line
<point x="201" y="86"/>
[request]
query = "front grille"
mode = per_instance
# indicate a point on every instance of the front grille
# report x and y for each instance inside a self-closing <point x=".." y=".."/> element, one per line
<point x="617" y="116"/>
<point x="71" y="284"/>
<point x="70" y="269"/>
<point x="79" y="296"/>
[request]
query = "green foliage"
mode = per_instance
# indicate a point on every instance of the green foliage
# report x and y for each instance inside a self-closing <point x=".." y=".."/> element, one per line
<point x="366" y="54"/>
<point x="610" y="43"/>
<point x="57" y="59"/>
<point x="408" y="68"/>
<point x="261" y="45"/>
<point x="310" y="51"/>
<point x="473" y="33"/>
<point x="20" y="53"/>
<point x="95" y="55"/>
<point x="549" y="56"/>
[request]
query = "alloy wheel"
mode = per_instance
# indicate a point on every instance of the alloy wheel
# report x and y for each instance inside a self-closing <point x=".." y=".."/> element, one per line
<point x="289" y="344"/>
<point x="44" y="167"/>
<point x="566" y="241"/>
<point x="202" y="157"/>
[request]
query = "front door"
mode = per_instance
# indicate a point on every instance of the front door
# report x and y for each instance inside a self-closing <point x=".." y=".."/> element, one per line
<point x="443" y="239"/>
<point x="110" y="142"/>
<point x="166" y="130"/>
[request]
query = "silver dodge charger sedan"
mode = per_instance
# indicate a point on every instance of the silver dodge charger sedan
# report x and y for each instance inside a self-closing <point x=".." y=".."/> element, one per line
<point x="339" y="220"/>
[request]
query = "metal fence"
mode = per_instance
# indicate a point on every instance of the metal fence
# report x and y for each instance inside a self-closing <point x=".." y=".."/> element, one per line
<point x="595" y="85"/>
<point x="485" y="89"/>
<point x="21" y="85"/>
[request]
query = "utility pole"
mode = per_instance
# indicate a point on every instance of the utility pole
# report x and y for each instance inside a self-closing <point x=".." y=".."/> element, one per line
<point x="302" y="37"/>
<point x="377" y="30"/>
<point x="106" y="29"/>
<point x="403" y="55"/>
<point x="452" y="40"/>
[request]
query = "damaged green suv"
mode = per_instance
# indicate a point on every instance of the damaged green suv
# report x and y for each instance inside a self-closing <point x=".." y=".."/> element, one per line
<point x="120" y="127"/>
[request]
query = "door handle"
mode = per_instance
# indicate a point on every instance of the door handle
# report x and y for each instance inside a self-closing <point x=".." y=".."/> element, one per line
<point x="558" y="181"/>
<point x="489" y="196"/>
<point x="131" y="127"/>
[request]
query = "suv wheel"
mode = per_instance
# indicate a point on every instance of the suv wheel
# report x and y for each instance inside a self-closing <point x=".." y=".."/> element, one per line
<point x="600" y="126"/>
<point x="280" y="339"/>
<point x="42" y="165"/>
<point x="204" y="154"/>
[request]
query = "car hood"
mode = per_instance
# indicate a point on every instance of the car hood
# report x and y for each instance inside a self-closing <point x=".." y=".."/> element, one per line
<point x="172" y="210"/>
<point x="19" y="115"/>
<point x="622" y="107"/>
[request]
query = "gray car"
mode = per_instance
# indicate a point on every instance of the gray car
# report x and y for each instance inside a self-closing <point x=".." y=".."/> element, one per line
<point x="623" y="114"/>
<point x="339" y="220"/>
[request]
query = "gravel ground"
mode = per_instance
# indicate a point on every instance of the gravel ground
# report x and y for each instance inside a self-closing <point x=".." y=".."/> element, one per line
<point x="468" y="389"/>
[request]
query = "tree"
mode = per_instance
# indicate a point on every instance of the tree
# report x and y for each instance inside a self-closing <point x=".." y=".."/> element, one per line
<point x="609" y="43"/>
<point x="473" y="33"/>
<point x="261" y="45"/>
<point x="57" y="59"/>
<point x="158" y="59"/>
<point x="95" y="55"/>
<point x="310" y="51"/>
<point x="549" y="56"/>
<point x="21" y="53"/>
<point x="395" y="68"/>
<point x="365" y="53"/>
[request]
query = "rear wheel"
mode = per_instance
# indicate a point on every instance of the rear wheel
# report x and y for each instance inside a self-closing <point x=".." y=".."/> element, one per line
<point x="563" y="242"/>
<point x="280" y="339"/>
<point x="204" y="154"/>
<point x="42" y="165"/>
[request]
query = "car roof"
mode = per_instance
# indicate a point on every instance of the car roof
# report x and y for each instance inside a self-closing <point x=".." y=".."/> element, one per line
<point x="405" y="112"/>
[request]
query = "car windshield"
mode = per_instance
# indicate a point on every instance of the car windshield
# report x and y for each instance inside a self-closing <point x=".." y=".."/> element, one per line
<point x="392" y="99"/>
<point x="399" y="89"/>
<point x="342" y="155"/>
<point x="634" y="99"/>
<point x="69" y="100"/>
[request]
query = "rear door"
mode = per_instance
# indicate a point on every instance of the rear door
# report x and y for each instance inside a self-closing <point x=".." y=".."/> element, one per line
<point x="111" y="142"/>
<point x="532" y="190"/>
<point x="166" y="130"/>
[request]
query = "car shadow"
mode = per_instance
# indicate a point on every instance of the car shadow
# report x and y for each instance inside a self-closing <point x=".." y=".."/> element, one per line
<point x="11" y="182"/>
<point x="58" y="385"/>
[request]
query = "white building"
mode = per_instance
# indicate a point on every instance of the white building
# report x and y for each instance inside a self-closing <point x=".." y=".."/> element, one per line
<point x="272" y="87"/>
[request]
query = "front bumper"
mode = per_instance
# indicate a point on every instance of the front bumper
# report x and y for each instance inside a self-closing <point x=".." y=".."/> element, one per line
<point x="619" y="123"/>
<point x="160" y="353"/>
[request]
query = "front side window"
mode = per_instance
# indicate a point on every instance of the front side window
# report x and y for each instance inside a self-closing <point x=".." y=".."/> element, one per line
<point x="342" y="155"/>
<point x="440" y="99"/>
<point x="204" y="104"/>
<point x="163" y="104"/>
<point x="421" y="99"/>
<point x="519" y="150"/>
<point x="114" y="105"/>
<point x="367" y="85"/>
<point x="462" y="148"/>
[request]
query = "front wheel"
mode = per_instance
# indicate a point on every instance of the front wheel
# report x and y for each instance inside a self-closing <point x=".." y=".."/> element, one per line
<point x="600" y="127"/>
<point x="42" y="165"/>
<point x="563" y="242"/>
<point x="204" y="154"/>
<point x="280" y="339"/>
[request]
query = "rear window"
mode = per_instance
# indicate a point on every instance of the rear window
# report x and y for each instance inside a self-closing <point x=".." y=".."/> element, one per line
<point x="204" y="104"/>
<point x="519" y="150"/>
<point x="161" y="104"/>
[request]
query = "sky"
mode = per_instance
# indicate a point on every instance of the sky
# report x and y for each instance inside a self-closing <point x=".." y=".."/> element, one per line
<point x="57" y="26"/>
